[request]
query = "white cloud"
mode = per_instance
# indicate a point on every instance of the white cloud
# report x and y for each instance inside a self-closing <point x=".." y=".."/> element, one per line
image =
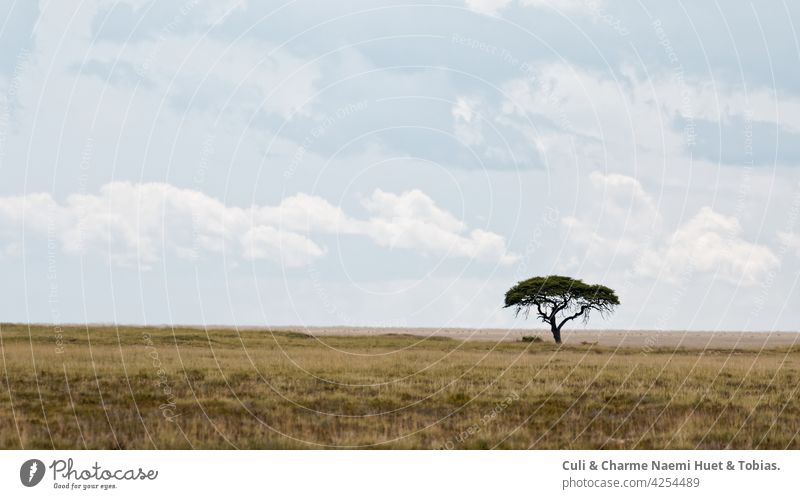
<point x="305" y="213"/>
<point x="563" y="4"/>
<point x="218" y="10"/>
<point x="466" y="122"/>
<point x="630" y="203"/>
<point x="291" y="249"/>
<point x="504" y="138"/>
<point x="621" y="222"/>
<point x="628" y="223"/>
<point x="607" y="114"/>
<point x="495" y="6"/>
<point x="487" y="6"/>
<point x="409" y="220"/>
<point x="412" y="220"/>
<point x="136" y="223"/>
<point x="710" y="242"/>
<point x="611" y="115"/>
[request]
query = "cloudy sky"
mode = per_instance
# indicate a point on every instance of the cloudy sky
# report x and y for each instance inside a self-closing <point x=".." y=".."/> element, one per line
<point x="398" y="163"/>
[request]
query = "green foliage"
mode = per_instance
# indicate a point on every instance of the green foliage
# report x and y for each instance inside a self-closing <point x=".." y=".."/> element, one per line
<point x="556" y="287"/>
<point x="531" y="339"/>
<point x="559" y="299"/>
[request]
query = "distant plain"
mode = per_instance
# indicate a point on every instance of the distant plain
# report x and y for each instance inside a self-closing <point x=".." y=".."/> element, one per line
<point x="605" y="337"/>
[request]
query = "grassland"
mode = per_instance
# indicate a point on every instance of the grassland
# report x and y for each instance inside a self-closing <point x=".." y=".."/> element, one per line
<point x="108" y="387"/>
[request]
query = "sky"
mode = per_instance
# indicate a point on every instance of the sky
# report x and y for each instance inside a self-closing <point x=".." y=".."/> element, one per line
<point x="380" y="163"/>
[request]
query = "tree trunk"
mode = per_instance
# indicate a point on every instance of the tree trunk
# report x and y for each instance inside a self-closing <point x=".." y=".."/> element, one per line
<point x="556" y="333"/>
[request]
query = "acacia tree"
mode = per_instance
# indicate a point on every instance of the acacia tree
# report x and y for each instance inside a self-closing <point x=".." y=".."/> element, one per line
<point x="557" y="300"/>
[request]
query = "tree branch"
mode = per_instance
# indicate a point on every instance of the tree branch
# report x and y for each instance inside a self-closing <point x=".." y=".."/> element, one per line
<point x="583" y="309"/>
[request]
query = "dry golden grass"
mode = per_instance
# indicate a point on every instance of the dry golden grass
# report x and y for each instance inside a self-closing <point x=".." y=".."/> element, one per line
<point x="102" y="388"/>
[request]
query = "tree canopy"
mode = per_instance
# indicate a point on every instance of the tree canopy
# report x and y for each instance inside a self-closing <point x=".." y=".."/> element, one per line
<point x="557" y="300"/>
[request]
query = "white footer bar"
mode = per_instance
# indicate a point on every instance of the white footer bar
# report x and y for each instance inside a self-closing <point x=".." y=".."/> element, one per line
<point x="398" y="474"/>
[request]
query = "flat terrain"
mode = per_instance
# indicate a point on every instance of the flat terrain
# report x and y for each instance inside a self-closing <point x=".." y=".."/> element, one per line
<point x="750" y="340"/>
<point x="133" y="387"/>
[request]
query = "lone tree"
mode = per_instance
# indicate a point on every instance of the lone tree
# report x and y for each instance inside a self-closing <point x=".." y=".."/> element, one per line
<point x="557" y="300"/>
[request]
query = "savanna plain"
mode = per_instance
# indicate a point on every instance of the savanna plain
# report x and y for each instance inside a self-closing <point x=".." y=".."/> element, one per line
<point x="113" y="387"/>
